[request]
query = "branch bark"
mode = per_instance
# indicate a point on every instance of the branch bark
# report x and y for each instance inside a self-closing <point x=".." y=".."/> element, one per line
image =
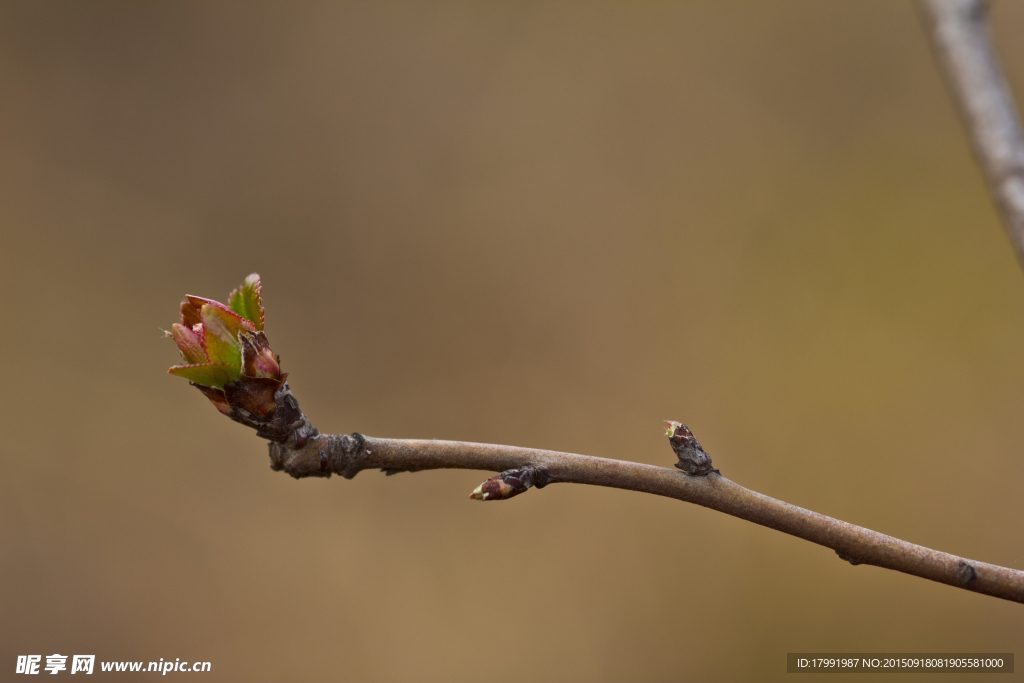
<point x="963" y="45"/>
<point x="311" y="454"/>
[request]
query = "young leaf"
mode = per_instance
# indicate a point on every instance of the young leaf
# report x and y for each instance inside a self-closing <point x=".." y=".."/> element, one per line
<point x="189" y="345"/>
<point x="209" y="375"/>
<point x="247" y="301"/>
<point x="220" y="335"/>
<point x="198" y="302"/>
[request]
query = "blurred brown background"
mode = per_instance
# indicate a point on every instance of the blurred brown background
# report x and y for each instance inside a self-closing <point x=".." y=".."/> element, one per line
<point x="547" y="224"/>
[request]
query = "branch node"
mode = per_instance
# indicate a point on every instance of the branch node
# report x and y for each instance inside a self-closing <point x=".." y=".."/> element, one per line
<point x="347" y="454"/>
<point x="848" y="558"/>
<point x="965" y="572"/>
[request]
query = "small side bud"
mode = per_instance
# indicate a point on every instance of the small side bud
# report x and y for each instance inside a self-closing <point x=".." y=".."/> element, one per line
<point x="692" y="458"/>
<point x="494" y="488"/>
<point x="510" y="483"/>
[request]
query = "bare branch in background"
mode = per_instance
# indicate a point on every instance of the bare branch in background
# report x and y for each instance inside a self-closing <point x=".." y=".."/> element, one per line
<point x="963" y="45"/>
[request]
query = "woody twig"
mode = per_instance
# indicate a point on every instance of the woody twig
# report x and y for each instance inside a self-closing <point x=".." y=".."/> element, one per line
<point x="228" y="358"/>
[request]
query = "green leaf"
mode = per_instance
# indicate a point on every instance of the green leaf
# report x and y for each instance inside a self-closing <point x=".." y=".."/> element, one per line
<point x="220" y="335"/>
<point x="247" y="301"/>
<point x="209" y="374"/>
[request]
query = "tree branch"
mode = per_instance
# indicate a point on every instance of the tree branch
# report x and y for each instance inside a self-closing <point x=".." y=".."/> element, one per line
<point x="307" y="453"/>
<point x="262" y="400"/>
<point x="963" y="45"/>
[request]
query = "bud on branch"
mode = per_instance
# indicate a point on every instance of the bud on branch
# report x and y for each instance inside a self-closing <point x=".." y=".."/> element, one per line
<point x="692" y="458"/>
<point x="229" y="359"/>
<point x="511" y="483"/>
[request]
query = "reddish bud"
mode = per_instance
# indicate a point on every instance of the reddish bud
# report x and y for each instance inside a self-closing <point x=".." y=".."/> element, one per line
<point x="511" y="483"/>
<point x="226" y="352"/>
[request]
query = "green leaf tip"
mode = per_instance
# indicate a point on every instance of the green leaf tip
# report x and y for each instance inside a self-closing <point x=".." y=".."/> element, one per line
<point x="214" y="375"/>
<point x="247" y="301"/>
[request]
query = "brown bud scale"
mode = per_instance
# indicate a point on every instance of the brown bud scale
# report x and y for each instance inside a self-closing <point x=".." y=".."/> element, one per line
<point x="692" y="458"/>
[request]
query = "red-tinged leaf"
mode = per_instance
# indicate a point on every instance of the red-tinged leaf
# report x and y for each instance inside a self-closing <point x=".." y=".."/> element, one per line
<point x="220" y="335"/>
<point x="189" y="314"/>
<point x="208" y="375"/>
<point x="247" y="301"/>
<point x="199" y="302"/>
<point x="257" y="357"/>
<point x="216" y="396"/>
<point x="189" y="344"/>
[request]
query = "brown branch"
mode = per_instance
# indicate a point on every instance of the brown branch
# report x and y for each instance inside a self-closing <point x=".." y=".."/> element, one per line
<point x="965" y="50"/>
<point x="963" y="45"/>
<point x="306" y="453"/>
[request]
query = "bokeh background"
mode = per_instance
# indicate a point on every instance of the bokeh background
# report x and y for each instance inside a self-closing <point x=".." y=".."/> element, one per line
<point x="546" y="224"/>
